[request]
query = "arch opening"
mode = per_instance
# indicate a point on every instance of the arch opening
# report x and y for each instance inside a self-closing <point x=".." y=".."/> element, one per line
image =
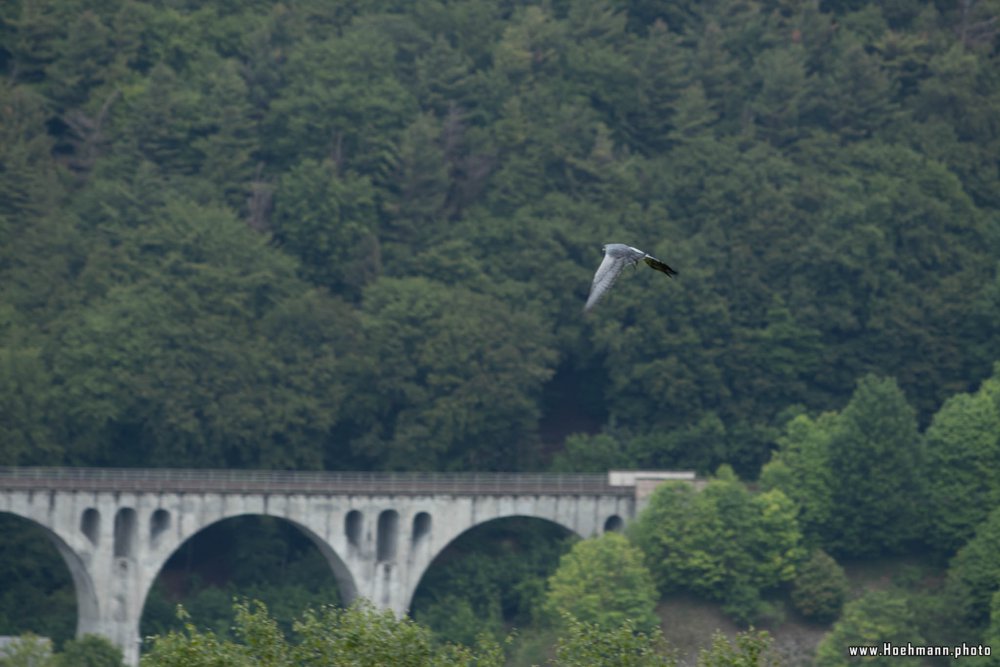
<point x="47" y="589"/>
<point x="159" y="523"/>
<point x="275" y="560"/>
<point x="421" y="526"/>
<point x="90" y="525"/>
<point x="352" y="528"/>
<point x="125" y="530"/>
<point x="492" y="572"/>
<point x="614" y="524"/>
<point x="387" y="535"/>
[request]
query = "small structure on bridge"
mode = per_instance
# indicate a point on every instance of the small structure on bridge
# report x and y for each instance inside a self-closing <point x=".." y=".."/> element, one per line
<point x="116" y="528"/>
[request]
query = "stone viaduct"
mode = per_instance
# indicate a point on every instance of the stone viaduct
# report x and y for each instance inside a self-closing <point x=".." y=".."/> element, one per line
<point x="116" y="528"/>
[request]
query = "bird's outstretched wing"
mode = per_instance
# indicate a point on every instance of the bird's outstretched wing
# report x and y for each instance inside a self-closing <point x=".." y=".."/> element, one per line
<point x="605" y="277"/>
<point x="658" y="265"/>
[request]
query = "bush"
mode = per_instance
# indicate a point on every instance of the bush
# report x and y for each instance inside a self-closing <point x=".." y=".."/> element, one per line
<point x="820" y="588"/>
<point x="90" y="651"/>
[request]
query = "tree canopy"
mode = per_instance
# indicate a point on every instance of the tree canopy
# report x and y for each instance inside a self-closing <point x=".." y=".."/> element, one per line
<point x="603" y="581"/>
<point x="201" y="207"/>
<point x="723" y="542"/>
<point x="341" y="235"/>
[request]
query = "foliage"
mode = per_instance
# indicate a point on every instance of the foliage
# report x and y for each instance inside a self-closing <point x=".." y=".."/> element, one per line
<point x="821" y="175"/>
<point x="447" y="379"/>
<point x="327" y="221"/>
<point x="723" y="542"/>
<point x="876" y="440"/>
<point x="462" y="619"/>
<point x="963" y="457"/>
<point x="586" y="644"/>
<point x="89" y="651"/>
<point x="28" y="650"/>
<point x="820" y="588"/>
<point x="25" y="399"/>
<point x="873" y="619"/>
<point x="819" y="464"/>
<point x="199" y="347"/>
<point x="992" y="635"/>
<point x="38" y="593"/>
<point x="974" y="577"/>
<point x="262" y="557"/>
<point x="800" y="468"/>
<point x="747" y="649"/>
<point x="358" y="235"/>
<point x="489" y="578"/>
<point x="603" y="581"/>
<point x="358" y="636"/>
<point x="590" y="453"/>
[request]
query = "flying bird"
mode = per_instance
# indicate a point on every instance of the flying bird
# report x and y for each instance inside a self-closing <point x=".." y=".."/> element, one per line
<point x="616" y="256"/>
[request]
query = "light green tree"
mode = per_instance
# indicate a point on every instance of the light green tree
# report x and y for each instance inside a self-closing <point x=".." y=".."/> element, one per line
<point x="28" y="650"/>
<point x="963" y="465"/>
<point x="603" y="581"/>
<point x="359" y="636"/>
<point x="723" y="543"/>
<point x="800" y="468"/>
<point x="584" y="644"/>
<point x="873" y="619"/>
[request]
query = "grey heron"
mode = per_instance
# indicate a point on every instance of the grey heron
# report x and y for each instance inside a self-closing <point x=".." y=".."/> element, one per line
<point x="616" y="257"/>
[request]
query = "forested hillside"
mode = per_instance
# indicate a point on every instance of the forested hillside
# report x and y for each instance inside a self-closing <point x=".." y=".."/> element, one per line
<point x="359" y="235"/>
<point x="329" y="234"/>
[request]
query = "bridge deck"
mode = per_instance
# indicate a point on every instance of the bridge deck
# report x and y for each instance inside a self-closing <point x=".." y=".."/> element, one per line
<point x="171" y="480"/>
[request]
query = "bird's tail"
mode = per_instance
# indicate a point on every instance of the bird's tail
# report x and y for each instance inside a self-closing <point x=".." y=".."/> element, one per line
<point x="658" y="265"/>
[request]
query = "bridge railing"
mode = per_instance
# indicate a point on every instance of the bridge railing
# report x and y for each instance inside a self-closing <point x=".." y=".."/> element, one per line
<point x="172" y="480"/>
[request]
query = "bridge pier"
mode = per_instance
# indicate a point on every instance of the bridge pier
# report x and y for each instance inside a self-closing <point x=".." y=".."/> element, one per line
<point x="116" y="529"/>
<point x="107" y="586"/>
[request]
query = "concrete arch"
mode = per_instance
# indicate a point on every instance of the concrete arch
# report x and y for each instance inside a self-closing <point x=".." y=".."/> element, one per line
<point x="341" y="572"/>
<point x="87" y="607"/>
<point x="419" y="567"/>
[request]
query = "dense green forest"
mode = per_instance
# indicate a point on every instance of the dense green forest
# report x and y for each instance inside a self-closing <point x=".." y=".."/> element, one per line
<point x="330" y="234"/>
<point x="358" y="235"/>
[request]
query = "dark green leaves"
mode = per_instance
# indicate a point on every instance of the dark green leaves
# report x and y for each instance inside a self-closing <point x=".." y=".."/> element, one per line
<point x="449" y="379"/>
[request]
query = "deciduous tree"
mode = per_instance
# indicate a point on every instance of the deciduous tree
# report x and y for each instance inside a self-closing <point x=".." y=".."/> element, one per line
<point x="963" y="460"/>
<point x="603" y="581"/>
<point x="723" y="543"/>
<point x="877" y="617"/>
